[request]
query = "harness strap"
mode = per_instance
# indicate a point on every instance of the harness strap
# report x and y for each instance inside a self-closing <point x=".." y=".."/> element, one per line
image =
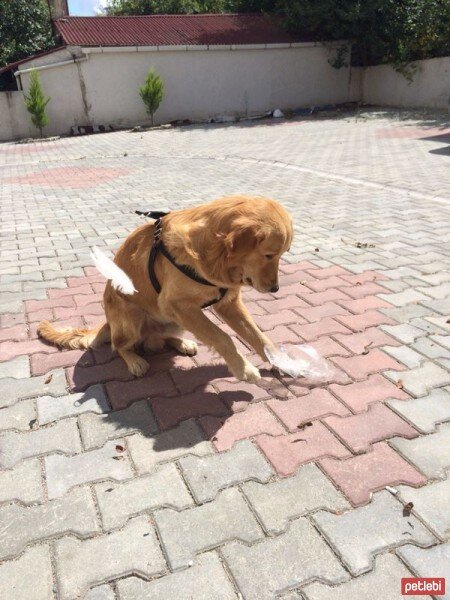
<point x="158" y="246"/>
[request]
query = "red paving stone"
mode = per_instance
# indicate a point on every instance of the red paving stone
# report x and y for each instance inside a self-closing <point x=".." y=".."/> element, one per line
<point x="15" y="333"/>
<point x="282" y="317"/>
<point x="171" y="411"/>
<point x="371" y="318"/>
<point x="312" y="331"/>
<point x="365" y="289"/>
<point x="274" y="305"/>
<point x="60" y="292"/>
<point x="358" y="278"/>
<point x="297" y="411"/>
<point x="359" y="395"/>
<point x="327" y="272"/>
<point x="123" y="393"/>
<point x="319" y="298"/>
<point x="70" y="177"/>
<point x="378" y="423"/>
<point x="287" y="452"/>
<point x="359" y="476"/>
<point x="326" y="347"/>
<point x="363" y="341"/>
<point x="257" y="419"/>
<point x="316" y="313"/>
<point x="10" y="349"/>
<point x="42" y="363"/>
<point x="361" y="305"/>
<point x="321" y="285"/>
<point x="237" y="395"/>
<point x="359" y="367"/>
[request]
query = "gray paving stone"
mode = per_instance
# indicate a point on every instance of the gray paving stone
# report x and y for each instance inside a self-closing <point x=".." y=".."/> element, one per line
<point x="405" y="333"/>
<point x="431" y="505"/>
<point x="429" y="562"/>
<point x="441" y="306"/>
<point x="21" y="525"/>
<point x="425" y="412"/>
<point x="22" y="483"/>
<point x="184" y="534"/>
<point x="119" y="501"/>
<point x="12" y="389"/>
<point x="50" y="409"/>
<point x="18" y="416"/>
<point x="402" y="298"/>
<point x="420" y="380"/>
<point x="100" y="592"/>
<point x="264" y="570"/>
<point x="63" y="472"/>
<point x="206" y="580"/>
<point x="435" y="327"/>
<point x="437" y="291"/>
<point x="97" y="429"/>
<point x="18" y="368"/>
<point x="430" y="453"/>
<point x="61" y="437"/>
<point x="82" y="564"/>
<point x="28" y="577"/>
<point x="278" y="502"/>
<point x="185" y="439"/>
<point x="404" y="314"/>
<point x="431" y="348"/>
<point x="382" y="582"/>
<point x="440" y="322"/>
<point x="443" y="340"/>
<point x="405" y="355"/>
<point x="356" y="536"/>
<point x="207" y="475"/>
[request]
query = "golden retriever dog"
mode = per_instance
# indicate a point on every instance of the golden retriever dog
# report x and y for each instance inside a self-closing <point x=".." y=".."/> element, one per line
<point x="230" y="242"/>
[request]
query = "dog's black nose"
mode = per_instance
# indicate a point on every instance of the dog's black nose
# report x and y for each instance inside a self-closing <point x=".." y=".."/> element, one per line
<point x="274" y="288"/>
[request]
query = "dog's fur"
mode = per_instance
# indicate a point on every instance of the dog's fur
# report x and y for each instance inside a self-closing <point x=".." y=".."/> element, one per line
<point x="231" y="242"/>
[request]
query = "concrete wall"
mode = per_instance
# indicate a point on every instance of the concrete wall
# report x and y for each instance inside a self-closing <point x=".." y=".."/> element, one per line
<point x="15" y="121"/>
<point x="430" y="87"/>
<point x="102" y="87"/>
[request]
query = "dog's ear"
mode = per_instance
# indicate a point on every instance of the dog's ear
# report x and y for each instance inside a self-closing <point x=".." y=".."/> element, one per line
<point x="244" y="238"/>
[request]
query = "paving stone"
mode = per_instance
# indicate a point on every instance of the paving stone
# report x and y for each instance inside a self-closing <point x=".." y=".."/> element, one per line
<point x="92" y="400"/>
<point x="17" y="416"/>
<point x="428" y="562"/>
<point x="405" y="333"/>
<point x="360" y="431"/>
<point x="170" y="411"/>
<point x="441" y="306"/>
<point x="297" y="411"/>
<point x="425" y="412"/>
<point x="134" y="549"/>
<point x="403" y="314"/>
<point x="359" y="476"/>
<point x="370" y="318"/>
<point x="38" y="582"/>
<point x="382" y="582"/>
<point x="362" y="305"/>
<point x="12" y="389"/>
<point x="357" y="535"/>
<point x="279" y="502"/>
<point x="431" y="505"/>
<point x="206" y="580"/>
<point x="61" y="437"/>
<point x="430" y="454"/>
<point x="276" y="564"/>
<point x="442" y="340"/>
<point x="287" y="452"/>
<point x="75" y="513"/>
<point x="359" y="367"/>
<point x="100" y="592"/>
<point x="185" y="439"/>
<point x="421" y="380"/>
<point x="96" y="429"/>
<point x="370" y="338"/>
<point x="359" y="395"/>
<point x="207" y="475"/>
<point x="184" y="534"/>
<point x="405" y="355"/>
<point x="256" y="419"/>
<point x="312" y="331"/>
<point x="63" y="472"/>
<point x="23" y="483"/>
<point x="406" y="297"/>
<point x="18" y="368"/>
<point x="119" y="501"/>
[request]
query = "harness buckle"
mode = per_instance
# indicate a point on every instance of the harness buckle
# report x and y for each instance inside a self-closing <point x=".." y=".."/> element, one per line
<point x="157" y="233"/>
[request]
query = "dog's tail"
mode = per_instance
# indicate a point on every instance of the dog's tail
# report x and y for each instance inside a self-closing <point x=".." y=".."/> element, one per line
<point x="73" y="338"/>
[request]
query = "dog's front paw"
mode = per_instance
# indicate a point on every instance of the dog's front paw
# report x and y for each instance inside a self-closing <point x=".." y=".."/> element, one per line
<point x="248" y="373"/>
<point x="187" y="347"/>
<point x="138" y="367"/>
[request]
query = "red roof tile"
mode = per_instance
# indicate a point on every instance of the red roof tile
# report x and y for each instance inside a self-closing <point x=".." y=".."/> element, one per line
<point x="173" y="30"/>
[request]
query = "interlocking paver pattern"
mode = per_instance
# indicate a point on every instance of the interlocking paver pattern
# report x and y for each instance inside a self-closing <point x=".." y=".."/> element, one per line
<point x="91" y="458"/>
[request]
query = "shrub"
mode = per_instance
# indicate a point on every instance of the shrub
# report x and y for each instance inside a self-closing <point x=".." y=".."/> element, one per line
<point x="152" y="92"/>
<point x="36" y="102"/>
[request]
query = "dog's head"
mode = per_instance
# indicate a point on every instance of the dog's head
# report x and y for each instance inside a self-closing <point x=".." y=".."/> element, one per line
<point x="253" y="235"/>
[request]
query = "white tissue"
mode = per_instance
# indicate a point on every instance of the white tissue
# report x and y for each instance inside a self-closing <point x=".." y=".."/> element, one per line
<point x="300" y="361"/>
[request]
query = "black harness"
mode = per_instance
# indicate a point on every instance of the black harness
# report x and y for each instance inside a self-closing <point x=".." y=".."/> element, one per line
<point x="158" y="246"/>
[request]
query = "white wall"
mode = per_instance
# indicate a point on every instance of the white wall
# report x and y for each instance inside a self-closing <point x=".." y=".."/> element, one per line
<point x="15" y="121"/>
<point x="430" y="87"/>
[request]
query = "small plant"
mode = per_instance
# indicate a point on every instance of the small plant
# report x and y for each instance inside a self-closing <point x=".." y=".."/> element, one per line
<point x="152" y="92"/>
<point x="36" y="102"/>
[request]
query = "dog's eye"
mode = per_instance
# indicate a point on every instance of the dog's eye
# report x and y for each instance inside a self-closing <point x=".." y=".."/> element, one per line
<point x="269" y="256"/>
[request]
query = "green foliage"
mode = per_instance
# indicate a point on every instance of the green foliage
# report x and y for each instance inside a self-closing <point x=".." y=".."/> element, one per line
<point x="36" y="102"/>
<point x="382" y="31"/>
<point x="151" y="7"/>
<point x="25" y="29"/>
<point x="152" y="92"/>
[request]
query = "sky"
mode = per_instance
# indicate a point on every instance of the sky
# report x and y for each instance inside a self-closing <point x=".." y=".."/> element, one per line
<point x="85" y="7"/>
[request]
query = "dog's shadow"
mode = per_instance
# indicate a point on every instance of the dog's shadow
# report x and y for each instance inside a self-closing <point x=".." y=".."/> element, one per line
<point x="192" y="402"/>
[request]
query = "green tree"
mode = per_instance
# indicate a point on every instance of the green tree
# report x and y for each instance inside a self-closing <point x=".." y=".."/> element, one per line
<point x="150" y="7"/>
<point x="152" y="92"/>
<point x="25" y="29"/>
<point x="36" y="102"/>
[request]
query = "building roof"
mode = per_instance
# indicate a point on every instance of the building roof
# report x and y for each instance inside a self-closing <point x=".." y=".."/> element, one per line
<point x="173" y="30"/>
<point x="12" y="66"/>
